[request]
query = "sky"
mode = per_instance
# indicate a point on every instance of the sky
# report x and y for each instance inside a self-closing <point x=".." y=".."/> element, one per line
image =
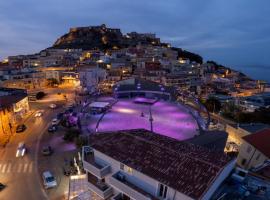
<point x="234" y="33"/>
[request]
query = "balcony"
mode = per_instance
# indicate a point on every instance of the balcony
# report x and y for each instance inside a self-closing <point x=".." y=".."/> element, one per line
<point x="97" y="186"/>
<point x="119" y="181"/>
<point x="93" y="164"/>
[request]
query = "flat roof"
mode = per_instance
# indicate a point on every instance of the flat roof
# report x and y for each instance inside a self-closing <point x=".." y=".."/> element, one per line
<point x="98" y="104"/>
<point x="187" y="168"/>
<point x="253" y="127"/>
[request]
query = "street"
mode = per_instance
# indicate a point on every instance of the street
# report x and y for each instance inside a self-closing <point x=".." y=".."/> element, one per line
<point x="20" y="174"/>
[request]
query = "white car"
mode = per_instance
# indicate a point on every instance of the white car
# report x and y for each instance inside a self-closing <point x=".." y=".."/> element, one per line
<point x="55" y="122"/>
<point x="48" y="180"/>
<point x="52" y="106"/>
<point x="39" y="113"/>
<point x="21" y="150"/>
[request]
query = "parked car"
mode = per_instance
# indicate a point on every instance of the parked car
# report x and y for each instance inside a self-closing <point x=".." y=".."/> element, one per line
<point x="52" y="129"/>
<point x="21" y="150"/>
<point x="60" y="115"/>
<point x="20" y="128"/>
<point x="39" y="113"/>
<point x="48" y="180"/>
<point x="52" y="105"/>
<point x="47" y="151"/>
<point x="2" y="186"/>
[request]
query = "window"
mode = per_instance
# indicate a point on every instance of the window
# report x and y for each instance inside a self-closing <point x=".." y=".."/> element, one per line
<point x="249" y="148"/>
<point x="126" y="168"/>
<point x="162" y="190"/>
<point x="122" y="166"/>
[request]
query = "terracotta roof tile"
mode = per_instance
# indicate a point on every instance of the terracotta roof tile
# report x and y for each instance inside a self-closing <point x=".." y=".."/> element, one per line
<point x="188" y="168"/>
<point x="260" y="140"/>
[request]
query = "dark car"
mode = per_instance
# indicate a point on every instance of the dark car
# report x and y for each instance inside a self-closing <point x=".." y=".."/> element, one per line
<point x="60" y="115"/>
<point x="46" y="151"/>
<point x="52" y="129"/>
<point x="20" y="128"/>
<point x="2" y="186"/>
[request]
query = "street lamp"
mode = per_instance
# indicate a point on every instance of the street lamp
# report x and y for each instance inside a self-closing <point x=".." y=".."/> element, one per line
<point x="151" y="119"/>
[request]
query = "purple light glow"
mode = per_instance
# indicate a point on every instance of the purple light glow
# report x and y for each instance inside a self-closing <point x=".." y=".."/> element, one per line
<point x="169" y="119"/>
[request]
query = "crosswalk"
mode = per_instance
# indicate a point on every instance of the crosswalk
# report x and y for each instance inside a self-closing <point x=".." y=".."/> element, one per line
<point x="10" y="167"/>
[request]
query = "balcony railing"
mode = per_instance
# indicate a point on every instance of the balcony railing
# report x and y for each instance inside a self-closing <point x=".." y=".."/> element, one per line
<point x="119" y="181"/>
<point x="117" y="197"/>
<point x="100" y="188"/>
<point x="94" y="165"/>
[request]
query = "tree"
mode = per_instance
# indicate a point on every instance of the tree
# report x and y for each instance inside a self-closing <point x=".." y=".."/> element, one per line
<point x="213" y="105"/>
<point x="81" y="141"/>
<point x="40" y="95"/>
<point x="71" y="134"/>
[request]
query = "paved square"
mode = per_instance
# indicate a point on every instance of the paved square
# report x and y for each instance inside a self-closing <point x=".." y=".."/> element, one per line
<point x="169" y="118"/>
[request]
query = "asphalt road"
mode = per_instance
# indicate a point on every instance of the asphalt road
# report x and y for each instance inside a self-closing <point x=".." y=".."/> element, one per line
<point x="21" y="174"/>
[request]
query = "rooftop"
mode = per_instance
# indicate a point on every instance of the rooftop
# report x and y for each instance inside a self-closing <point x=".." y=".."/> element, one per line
<point x="9" y="96"/>
<point x="188" y="168"/>
<point x="260" y="140"/>
<point x="141" y="85"/>
<point x="253" y="127"/>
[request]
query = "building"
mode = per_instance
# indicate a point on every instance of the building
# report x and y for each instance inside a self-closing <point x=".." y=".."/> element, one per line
<point x="238" y="131"/>
<point x="90" y="77"/>
<point x="13" y="107"/>
<point x="142" y="165"/>
<point x="251" y="103"/>
<point x="133" y="87"/>
<point x="255" y="149"/>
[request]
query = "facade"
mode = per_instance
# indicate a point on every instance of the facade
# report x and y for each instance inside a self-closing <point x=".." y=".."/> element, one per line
<point x="255" y="149"/>
<point x="132" y="87"/>
<point x="142" y="165"/>
<point x="90" y="77"/>
<point x="13" y="107"/>
<point x="251" y="103"/>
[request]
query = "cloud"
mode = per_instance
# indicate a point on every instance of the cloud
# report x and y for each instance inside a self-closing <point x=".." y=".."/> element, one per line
<point x="229" y="31"/>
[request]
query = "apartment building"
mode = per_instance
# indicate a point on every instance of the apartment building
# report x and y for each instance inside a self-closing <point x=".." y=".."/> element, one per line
<point x="255" y="149"/>
<point x="90" y="76"/>
<point x="13" y="107"/>
<point x="142" y="165"/>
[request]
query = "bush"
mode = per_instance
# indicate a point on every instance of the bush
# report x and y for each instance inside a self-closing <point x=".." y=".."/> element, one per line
<point x="81" y="141"/>
<point x="40" y="95"/>
<point x="71" y="134"/>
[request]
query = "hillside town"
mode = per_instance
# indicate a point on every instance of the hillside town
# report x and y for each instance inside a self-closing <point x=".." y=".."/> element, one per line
<point x="137" y="118"/>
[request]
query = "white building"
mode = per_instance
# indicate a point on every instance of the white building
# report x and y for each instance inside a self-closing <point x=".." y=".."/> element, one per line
<point x="90" y="77"/>
<point x="141" y="165"/>
<point x="251" y="103"/>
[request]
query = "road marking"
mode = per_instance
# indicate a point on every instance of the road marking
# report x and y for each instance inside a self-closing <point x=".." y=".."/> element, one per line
<point x="30" y="169"/>
<point x="9" y="168"/>
<point x="25" y="167"/>
<point x="4" y="168"/>
<point x="19" y="168"/>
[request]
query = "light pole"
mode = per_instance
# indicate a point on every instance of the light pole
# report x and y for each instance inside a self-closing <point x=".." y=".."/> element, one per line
<point x="151" y="119"/>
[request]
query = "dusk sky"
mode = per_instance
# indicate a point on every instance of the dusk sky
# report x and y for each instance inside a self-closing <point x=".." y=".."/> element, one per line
<point x="231" y="32"/>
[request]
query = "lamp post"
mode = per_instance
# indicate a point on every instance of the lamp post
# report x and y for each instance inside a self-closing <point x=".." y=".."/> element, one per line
<point x="151" y="119"/>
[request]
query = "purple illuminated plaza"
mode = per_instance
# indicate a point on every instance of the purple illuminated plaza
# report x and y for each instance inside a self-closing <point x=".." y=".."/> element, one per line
<point x="140" y="105"/>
